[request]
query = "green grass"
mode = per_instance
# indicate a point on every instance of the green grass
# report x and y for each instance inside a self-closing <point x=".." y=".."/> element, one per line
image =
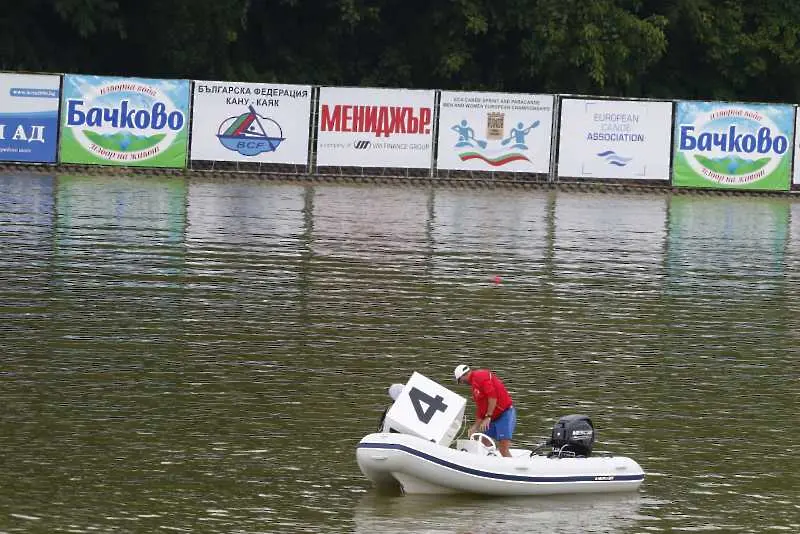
<point x="114" y="142"/>
<point x="175" y="156"/>
<point x="683" y="175"/>
<point x="722" y="166"/>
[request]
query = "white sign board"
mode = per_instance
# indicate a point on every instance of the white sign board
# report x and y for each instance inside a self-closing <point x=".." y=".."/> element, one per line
<point x="375" y="128"/>
<point x="615" y="139"/>
<point x="428" y="410"/>
<point x="250" y="122"/>
<point x="495" y="132"/>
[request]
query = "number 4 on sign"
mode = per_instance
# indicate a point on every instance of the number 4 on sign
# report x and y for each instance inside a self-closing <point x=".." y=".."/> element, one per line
<point x="434" y="404"/>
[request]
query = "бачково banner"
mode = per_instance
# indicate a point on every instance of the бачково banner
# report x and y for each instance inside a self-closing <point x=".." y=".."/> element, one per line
<point x="730" y="145"/>
<point x="364" y="127"/>
<point x="495" y="132"/>
<point x="624" y="139"/>
<point x="124" y="121"/>
<point x="29" y="117"/>
<point x="250" y="122"/>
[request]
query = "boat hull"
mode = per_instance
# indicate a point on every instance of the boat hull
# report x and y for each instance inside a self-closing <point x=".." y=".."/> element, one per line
<point x="423" y="467"/>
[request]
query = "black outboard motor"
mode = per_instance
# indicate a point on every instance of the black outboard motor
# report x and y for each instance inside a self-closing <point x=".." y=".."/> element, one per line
<point x="573" y="435"/>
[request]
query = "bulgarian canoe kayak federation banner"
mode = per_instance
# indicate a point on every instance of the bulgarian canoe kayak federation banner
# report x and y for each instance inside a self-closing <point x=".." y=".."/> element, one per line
<point x="495" y="132"/>
<point x="621" y="139"/>
<point x="29" y="117"/>
<point x="251" y="122"/>
<point x="375" y="127"/>
<point x="733" y="146"/>
<point x="124" y="121"/>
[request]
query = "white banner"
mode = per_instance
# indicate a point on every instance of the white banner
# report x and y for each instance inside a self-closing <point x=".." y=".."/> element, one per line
<point x="375" y="127"/>
<point x="495" y="132"/>
<point x="251" y="122"/>
<point x="615" y="139"/>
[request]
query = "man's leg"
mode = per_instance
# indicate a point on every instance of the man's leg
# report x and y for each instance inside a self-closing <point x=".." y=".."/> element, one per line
<point x="504" y="428"/>
<point x="504" y="446"/>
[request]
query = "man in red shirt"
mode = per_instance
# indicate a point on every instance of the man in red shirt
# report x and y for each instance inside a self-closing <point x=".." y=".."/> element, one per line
<point x="495" y="415"/>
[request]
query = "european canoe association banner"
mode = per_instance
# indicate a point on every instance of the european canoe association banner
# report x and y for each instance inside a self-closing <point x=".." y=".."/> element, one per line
<point x="29" y="117"/>
<point x="622" y="139"/>
<point x="359" y="127"/>
<point x="250" y="122"/>
<point x="733" y="146"/>
<point x="124" y="121"/>
<point x="495" y="132"/>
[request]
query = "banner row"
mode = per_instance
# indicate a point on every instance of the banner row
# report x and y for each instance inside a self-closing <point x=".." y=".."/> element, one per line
<point x="152" y="123"/>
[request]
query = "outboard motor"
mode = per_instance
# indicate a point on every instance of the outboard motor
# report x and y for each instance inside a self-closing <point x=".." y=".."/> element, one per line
<point x="573" y="435"/>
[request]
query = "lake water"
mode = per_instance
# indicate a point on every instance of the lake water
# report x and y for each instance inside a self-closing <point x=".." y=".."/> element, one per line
<point x="203" y="355"/>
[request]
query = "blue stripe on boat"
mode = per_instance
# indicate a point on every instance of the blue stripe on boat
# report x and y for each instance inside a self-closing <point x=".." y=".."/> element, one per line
<point x="498" y="476"/>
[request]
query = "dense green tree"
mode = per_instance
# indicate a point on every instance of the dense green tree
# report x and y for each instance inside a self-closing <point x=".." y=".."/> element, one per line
<point x="728" y="49"/>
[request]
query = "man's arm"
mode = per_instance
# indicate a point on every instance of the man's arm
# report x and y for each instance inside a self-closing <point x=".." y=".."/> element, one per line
<point x="488" y="389"/>
<point x="491" y="406"/>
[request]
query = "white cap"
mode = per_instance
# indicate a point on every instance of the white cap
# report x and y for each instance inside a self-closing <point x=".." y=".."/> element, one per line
<point x="460" y="371"/>
<point x="395" y="390"/>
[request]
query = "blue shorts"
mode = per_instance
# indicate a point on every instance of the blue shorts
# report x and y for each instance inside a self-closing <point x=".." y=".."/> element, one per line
<point x="503" y="427"/>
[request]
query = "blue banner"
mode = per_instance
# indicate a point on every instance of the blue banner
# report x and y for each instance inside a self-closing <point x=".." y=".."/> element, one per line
<point x="29" y="117"/>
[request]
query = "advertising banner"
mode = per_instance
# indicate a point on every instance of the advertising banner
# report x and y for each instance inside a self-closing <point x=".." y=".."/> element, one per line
<point x="124" y="121"/>
<point x="250" y="122"/>
<point x="614" y="139"/>
<point x="375" y="127"/>
<point x="796" y="176"/>
<point x="29" y="117"/>
<point x="495" y="132"/>
<point x="733" y="146"/>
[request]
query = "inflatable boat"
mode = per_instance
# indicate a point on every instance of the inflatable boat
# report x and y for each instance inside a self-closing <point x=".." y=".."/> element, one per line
<point x="419" y="459"/>
<point x="415" y="465"/>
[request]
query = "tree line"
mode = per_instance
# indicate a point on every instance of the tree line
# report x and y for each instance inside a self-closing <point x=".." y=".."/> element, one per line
<point x="694" y="49"/>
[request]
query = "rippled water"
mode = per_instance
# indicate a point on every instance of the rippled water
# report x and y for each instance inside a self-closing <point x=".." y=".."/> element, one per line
<point x="204" y="355"/>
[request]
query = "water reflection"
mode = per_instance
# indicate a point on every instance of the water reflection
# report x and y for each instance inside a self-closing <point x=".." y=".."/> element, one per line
<point x="380" y="225"/>
<point x="27" y="212"/>
<point x="140" y="209"/>
<point x="479" y="515"/>
<point x="745" y="239"/>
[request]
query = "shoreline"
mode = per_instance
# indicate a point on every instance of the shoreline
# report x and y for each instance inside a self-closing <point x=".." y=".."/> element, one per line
<point x="465" y="182"/>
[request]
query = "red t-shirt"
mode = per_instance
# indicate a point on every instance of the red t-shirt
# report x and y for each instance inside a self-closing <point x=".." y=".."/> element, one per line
<point x="485" y="385"/>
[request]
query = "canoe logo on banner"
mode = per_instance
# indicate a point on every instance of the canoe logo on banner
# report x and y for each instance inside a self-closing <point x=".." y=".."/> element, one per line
<point x="250" y="134"/>
<point x="734" y="145"/>
<point x="496" y="148"/>
<point x="125" y="121"/>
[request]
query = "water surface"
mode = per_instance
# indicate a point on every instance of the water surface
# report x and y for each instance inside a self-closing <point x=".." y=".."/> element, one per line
<point x="204" y="355"/>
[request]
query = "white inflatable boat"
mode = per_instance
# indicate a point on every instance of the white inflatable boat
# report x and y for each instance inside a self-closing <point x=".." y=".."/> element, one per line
<point x="413" y="453"/>
<point x="420" y="466"/>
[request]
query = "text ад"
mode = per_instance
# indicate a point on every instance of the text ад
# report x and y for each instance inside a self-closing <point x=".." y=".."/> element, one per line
<point x="34" y="134"/>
